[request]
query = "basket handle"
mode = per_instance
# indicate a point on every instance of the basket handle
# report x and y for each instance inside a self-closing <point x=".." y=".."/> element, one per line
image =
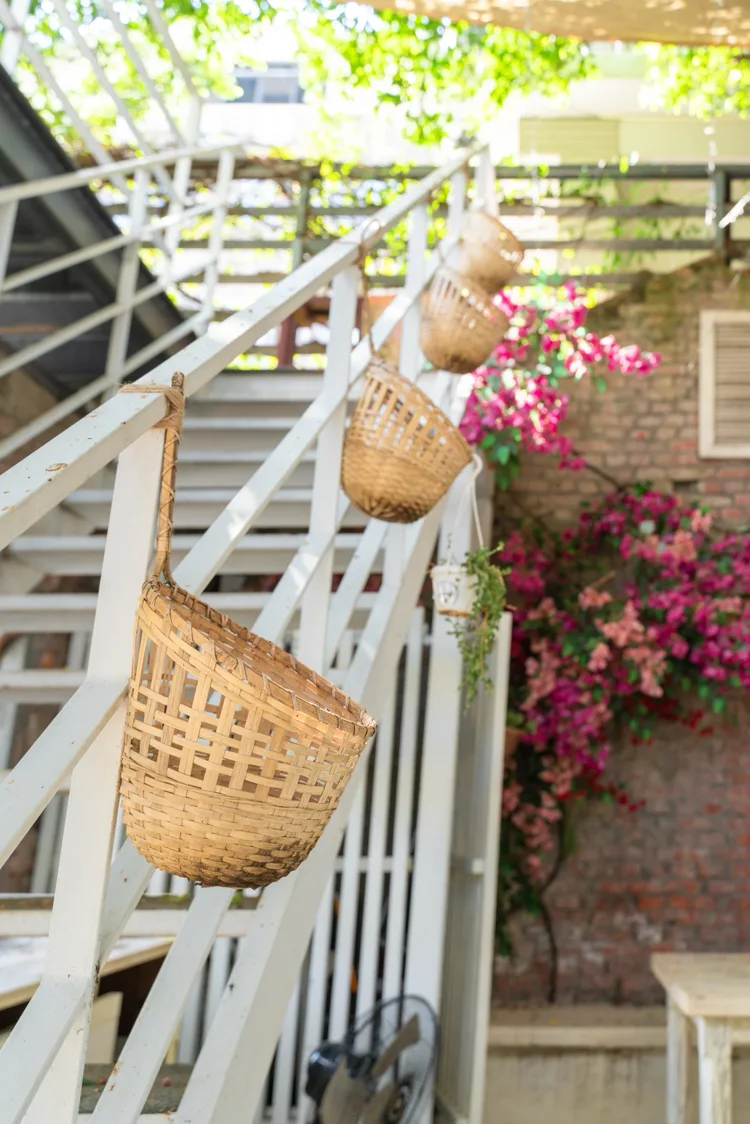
<point x="172" y="422"/>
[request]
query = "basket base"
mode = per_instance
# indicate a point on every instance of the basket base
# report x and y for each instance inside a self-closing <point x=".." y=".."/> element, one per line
<point x="388" y="487"/>
<point x="216" y="839"/>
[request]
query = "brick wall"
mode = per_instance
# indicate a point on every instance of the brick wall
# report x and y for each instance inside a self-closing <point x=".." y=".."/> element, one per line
<point x="675" y="875"/>
<point x="646" y="428"/>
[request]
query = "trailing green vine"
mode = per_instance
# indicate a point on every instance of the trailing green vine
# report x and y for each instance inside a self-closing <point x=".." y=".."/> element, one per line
<point x="476" y="633"/>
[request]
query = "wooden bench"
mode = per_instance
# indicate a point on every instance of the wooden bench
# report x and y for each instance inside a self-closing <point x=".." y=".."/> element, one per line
<point x="712" y="992"/>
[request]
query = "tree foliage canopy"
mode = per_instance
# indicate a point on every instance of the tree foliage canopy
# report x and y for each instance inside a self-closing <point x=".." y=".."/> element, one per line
<point x="448" y="78"/>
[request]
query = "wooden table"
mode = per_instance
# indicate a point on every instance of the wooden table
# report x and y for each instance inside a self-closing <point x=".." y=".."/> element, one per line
<point x="22" y="963"/>
<point x="713" y="992"/>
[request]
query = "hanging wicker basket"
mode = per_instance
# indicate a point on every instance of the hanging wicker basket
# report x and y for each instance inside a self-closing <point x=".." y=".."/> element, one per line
<point x="235" y="754"/>
<point x="460" y="324"/>
<point x="401" y="452"/>
<point x="488" y="253"/>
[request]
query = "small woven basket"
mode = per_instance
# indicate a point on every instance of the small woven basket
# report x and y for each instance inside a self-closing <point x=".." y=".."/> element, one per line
<point x="488" y="253"/>
<point x="460" y="324"/>
<point x="401" y="452"/>
<point x="235" y="754"/>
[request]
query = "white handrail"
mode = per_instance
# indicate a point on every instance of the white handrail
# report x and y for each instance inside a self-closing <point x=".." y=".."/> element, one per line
<point x="32" y="490"/>
<point x="84" y="177"/>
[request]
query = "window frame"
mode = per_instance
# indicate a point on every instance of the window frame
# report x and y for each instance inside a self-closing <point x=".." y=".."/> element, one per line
<point x="708" y="447"/>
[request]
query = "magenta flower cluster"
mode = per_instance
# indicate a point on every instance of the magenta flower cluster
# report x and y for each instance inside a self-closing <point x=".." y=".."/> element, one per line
<point x="517" y="403"/>
<point x="629" y="618"/>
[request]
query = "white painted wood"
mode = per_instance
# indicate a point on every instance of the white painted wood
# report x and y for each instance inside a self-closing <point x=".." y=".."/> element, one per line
<point x="361" y="565"/>
<point x="142" y="1055"/>
<point x="714" y="1071"/>
<point x="410" y="356"/>
<point x="102" y="79"/>
<point x="142" y="923"/>
<point x="219" y="966"/>
<point x="12" y="660"/>
<point x="109" y="169"/>
<point x="8" y="213"/>
<point x="284" y="1065"/>
<point x="470" y="930"/>
<point x="486" y="186"/>
<point x="346" y="917"/>
<point x="188" y="1042"/>
<point x="429" y="889"/>
<point x="324" y="512"/>
<point x="709" y="446"/>
<point x="12" y="44"/>
<point x="249" y="1013"/>
<point x="87" y="446"/>
<point x="130" y="265"/>
<point x="402" y="837"/>
<point x="263" y="977"/>
<point x="224" y="174"/>
<point x="47" y="76"/>
<point x="456" y="205"/>
<point x="318" y="971"/>
<point x="133" y="54"/>
<point x="715" y="985"/>
<point x="369" y="957"/>
<point x="82" y="877"/>
<point x="678" y="1057"/>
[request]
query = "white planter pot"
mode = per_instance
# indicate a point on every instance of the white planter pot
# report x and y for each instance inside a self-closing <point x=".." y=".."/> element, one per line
<point x="453" y="590"/>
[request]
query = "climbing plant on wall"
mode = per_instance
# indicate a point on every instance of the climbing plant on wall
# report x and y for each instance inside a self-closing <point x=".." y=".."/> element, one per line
<point x="639" y="613"/>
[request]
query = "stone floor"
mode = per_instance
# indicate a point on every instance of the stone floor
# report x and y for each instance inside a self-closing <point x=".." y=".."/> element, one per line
<point x="164" y="1097"/>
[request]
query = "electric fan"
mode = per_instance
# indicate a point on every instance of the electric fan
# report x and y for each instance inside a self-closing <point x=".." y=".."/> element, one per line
<point x="382" y="1071"/>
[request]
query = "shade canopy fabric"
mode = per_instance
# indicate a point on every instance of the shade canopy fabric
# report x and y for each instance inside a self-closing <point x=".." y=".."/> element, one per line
<point x="706" y="22"/>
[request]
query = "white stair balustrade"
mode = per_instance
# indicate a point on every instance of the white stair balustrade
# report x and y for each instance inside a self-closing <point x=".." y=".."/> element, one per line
<point x="257" y="493"/>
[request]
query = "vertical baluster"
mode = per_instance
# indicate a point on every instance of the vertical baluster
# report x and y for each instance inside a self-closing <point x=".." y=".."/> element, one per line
<point x="224" y="175"/>
<point x="323" y="510"/>
<point x="85" y="858"/>
<point x="127" y="282"/>
<point x="12" y="45"/>
<point x="486" y="189"/>
<point x="8" y="212"/>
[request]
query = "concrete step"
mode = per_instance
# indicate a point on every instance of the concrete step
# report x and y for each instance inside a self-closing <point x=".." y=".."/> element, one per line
<point x="74" y="612"/>
<point x="226" y="434"/>
<point x="255" y="554"/>
<point x="217" y="468"/>
<point x="232" y="468"/>
<point x="196" y="508"/>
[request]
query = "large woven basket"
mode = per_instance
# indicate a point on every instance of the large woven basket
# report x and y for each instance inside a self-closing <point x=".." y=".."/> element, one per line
<point x="401" y="452"/>
<point x="488" y="253"/>
<point x="235" y="754"/>
<point x="460" y="324"/>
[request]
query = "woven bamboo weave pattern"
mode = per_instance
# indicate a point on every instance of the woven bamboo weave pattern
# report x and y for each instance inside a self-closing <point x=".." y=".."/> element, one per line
<point x="402" y="453"/>
<point x="488" y="253"/>
<point x="235" y="754"/>
<point x="460" y="324"/>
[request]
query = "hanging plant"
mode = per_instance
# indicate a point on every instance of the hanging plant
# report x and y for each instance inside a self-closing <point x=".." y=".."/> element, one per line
<point x="475" y="629"/>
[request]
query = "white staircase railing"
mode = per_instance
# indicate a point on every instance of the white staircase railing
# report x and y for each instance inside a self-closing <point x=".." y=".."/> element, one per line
<point x="17" y="21"/>
<point x="41" y="1063"/>
<point x="141" y="231"/>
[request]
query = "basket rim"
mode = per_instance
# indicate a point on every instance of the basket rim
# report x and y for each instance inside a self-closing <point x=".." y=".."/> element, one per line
<point x="395" y="376"/>
<point x="478" y="298"/>
<point x="494" y="222"/>
<point x="357" y="721"/>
